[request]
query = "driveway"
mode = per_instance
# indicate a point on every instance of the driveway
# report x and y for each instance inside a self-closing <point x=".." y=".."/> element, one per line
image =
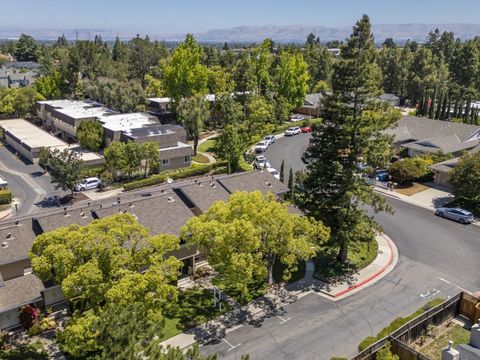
<point x="30" y="186"/>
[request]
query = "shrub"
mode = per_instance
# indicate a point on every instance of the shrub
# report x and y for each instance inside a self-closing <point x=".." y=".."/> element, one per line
<point x="5" y="197"/>
<point x="410" y="169"/>
<point x="194" y="170"/>
<point x="28" y="315"/>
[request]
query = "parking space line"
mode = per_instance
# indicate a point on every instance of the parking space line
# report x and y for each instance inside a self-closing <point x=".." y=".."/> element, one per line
<point x="283" y="320"/>
<point x="229" y="344"/>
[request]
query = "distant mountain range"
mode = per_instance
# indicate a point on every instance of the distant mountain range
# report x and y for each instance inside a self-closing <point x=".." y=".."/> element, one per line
<point x="245" y="34"/>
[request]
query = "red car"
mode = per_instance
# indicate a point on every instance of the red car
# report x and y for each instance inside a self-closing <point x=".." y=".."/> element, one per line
<point x="306" y="129"/>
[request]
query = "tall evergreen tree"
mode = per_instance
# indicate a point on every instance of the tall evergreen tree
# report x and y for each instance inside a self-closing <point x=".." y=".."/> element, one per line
<point x="282" y="171"/>
<point x="332" y="191"/>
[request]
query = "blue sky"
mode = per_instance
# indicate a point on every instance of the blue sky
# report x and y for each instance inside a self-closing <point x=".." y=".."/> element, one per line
<point x="198" y="15"/>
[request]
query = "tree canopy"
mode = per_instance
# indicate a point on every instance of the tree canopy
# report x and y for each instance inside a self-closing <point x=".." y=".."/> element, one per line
<point x="90" y="135"/>
<point x="65" y="168"/>
<point x="465" y="177"/>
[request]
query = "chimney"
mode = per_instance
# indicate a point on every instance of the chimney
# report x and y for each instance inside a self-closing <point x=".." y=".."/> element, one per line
<point x="475" y="335"/>
<point x="449" y="353"/>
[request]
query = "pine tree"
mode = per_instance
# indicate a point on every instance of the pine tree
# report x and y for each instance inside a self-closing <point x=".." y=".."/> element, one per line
<point x="291" y="186"/>
<point x="282" y="171"/>
<point x="351" y="133"/>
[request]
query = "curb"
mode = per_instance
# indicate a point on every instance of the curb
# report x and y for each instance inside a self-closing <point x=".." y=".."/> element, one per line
<point x="371" y="277"/>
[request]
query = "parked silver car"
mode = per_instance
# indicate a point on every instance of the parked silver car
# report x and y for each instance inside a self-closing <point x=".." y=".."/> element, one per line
<point x="456" y="214"/>
<point x="88" y="183"/>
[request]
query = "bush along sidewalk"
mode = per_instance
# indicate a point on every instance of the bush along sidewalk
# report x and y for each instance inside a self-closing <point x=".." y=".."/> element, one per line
<point x="194" y="170"/>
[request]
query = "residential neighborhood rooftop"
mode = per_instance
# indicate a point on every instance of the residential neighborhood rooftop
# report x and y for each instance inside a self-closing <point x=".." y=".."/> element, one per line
<point x="127" y="122"/>
<point x="29" y="134"/>
<point x="10" y="296"/>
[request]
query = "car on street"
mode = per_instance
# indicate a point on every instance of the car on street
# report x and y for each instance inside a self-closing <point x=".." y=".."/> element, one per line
<point x="382" y="175"/>
<point x="305" y="158"/>
<point x="261" y="162"/>
<point x="261" y="146"/>
<point x="297" y="118"/>
<point x="270" y="139"/>
<point x="88" y="183"/>
<point x="292" y="131"/>
<point x="307" y="129"/>
<point x="274" y="172"/>
<point x="456" y="214"/>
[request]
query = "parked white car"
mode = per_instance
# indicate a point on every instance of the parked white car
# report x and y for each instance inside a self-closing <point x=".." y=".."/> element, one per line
<point x="270" y="139"/>
<point x="261" y="162"/>
<point x="88" y="183"/>
<point x="261" y="146"/>
<point x="296" y="118"/>
<point x="274" y="172"/>
<point x="293" y="131"/>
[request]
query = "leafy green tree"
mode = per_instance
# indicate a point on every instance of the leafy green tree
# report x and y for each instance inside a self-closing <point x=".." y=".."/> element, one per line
<point x="65" y="169"/>
<point x="90" y="135"/>
<point x="115" y="156"/>
<point x="220" y="80"/>
<point x="123" y="96"/>
<point x="227" y="111"/>
<point x="292" y="79"/>
<point x="244" y="75"/>
<point x="26" y="48"/>
<point x="230" y="146"/>
<point x="291" y="185"/>
<point x="259" y="112"/>
<point x="332" y="191"/>
<point x="150" y="157"/>
<point x="319" y="62"/>
<point x="263" y="63"/>
<point x="192" y="113"/>
<point x="464" y="178"/>
<point x="20" y="101"/>
<point x="184" y="75"/>
<point x="119" y="51"/>
<point x="133" y="158"/>
<point x="98" y="268"/>
<point x="409" y="169"/>
<point x="50" y="86"/>
<point x="246" y="235"/>
<point x="153" y="86"/>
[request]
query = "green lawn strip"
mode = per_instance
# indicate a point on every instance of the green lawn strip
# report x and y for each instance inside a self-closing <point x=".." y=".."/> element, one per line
<point x="200" y="158"/>
<point x="360" y="254"/>
<point x="397" y="323"/>
<point x="195" y="306"/>
<point x="206" y="146"/>
<point x="455" y="333"/>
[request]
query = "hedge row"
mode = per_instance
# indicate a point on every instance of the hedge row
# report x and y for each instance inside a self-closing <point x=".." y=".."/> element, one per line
<point x="5" y="197"/>
<point x="194" y="170"/>
<point x="397" y="323"/>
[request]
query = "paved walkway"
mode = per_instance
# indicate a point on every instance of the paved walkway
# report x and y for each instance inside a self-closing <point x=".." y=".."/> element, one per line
<point x="278" y="297"/>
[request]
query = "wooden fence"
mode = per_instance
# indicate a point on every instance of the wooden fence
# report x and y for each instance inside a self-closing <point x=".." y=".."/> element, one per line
<point x="400" y="340"/>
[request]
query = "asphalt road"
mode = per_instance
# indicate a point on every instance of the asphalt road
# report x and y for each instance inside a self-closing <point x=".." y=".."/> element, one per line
<point x="438" y="258"/>
<point x="31" y="188"/>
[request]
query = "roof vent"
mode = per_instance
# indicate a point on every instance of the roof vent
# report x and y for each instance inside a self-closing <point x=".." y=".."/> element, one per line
<point x="118" y="200"/>
<point x="269" y="184"/>
<point x="17" y="223"/>
<point x="65" y="213"/>
<point x="101" y="205"/>
<point x="212" y="185"/>
<point x="83" y="214"/>
<point x="162" y="191"/>
<point x="131" y="205"/>
<point x="170" y="199"/>
<point x="9" y="235"/>
<point x="124" y="211"/>
<point x="4" y="244"/>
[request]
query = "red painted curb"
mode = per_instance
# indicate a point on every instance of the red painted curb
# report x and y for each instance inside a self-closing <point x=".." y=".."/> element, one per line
<point x="363" y="282"/>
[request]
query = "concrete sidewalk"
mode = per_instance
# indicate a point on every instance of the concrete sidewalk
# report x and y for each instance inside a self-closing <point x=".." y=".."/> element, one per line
<point x="280" y="296"/>
<point x="431" y="198"/>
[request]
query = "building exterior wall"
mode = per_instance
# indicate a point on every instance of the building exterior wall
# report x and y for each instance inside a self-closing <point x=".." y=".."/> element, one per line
<point x="53" y="295"/>
<point x="18" y="147"/>
<point x="9" y="319"/>
<point x="14" y="269"/>
<point x="442" y="178"/>
<point x="175" y="163"/>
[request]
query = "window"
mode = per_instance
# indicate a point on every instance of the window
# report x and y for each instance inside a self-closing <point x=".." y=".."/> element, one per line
<point x="187" y="159"/>
<point x="165" y="162"/>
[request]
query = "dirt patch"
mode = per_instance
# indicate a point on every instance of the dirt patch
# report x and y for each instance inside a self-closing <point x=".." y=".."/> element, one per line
<point x="411" y="189"/>
<point x="68" y="200"/>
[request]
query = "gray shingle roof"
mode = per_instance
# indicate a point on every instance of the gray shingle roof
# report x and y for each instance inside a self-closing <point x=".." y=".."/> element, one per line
<point x="57" y="220"/>
<point x="20" y="291"/>
<point x="262" y="181"/>
<point x="418" y="128"/>
<point x="204" y="193"/>
<point x="163" y="214"/>
<point x="15" y="240"/>
<point x="313" y="100"/>
<point x="175" y="152"/>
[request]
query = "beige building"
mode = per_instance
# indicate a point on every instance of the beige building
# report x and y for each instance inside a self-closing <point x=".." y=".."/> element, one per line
<point x="28" y="139"/>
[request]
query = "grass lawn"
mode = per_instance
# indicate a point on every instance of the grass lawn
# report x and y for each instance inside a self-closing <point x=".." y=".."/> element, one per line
<point x="200" y="158"/>
<point x="411" y="189"/>
<point x="360" y="254"/>
<point x="206" y="146"/>
<point x="455" y="333"/>
<point x="195" y="306"/>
